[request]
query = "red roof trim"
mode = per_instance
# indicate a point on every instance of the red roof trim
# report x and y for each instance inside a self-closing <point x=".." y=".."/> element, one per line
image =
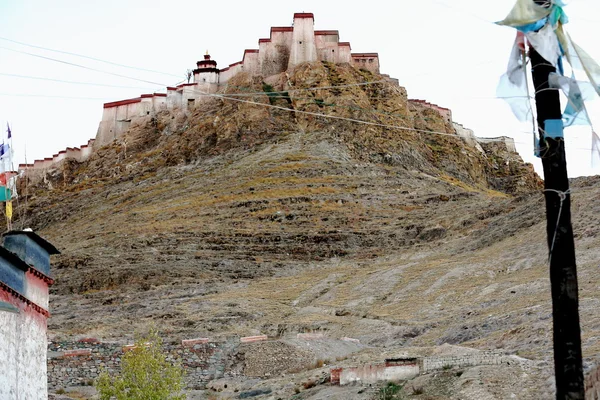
<point x="344" y="44"/>
<point x="171" y="88"/>
<point x="359" y="55"/>
<point x="304" y="15"/>
<point x="225" y="69"/>
<point x="264" y="41"/>
<point x="234" y="64"/>
<point x="282" y="29"/>
<point x="145" y="96"/>
<point x="122" y="102"/>
<point x="160" y="94"/>
<point x="24" y="299"/>
<point x="41" y="275"/>
<point x="327" y="32"/>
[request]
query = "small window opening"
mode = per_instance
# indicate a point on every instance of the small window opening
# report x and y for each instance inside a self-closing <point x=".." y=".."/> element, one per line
<point x="300" y="42"/>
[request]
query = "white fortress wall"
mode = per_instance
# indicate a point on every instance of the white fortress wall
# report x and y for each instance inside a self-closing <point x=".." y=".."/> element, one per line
<point x="251" y="62"/>
<point x="173" y="98"/>
<point x="303" y="47"/>
<point x="274" y="53"/>
<point x="344" y="53"/>
<point x="327" y="45"/>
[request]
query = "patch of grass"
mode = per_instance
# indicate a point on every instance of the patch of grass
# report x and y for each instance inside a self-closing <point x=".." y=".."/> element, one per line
<point x="417" y="391"/>
<point x="391" y="391"/>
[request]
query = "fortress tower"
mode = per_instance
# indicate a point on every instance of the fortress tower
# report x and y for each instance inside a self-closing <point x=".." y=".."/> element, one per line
<point x="206" y="74"/>
<point x="304" y="48"/>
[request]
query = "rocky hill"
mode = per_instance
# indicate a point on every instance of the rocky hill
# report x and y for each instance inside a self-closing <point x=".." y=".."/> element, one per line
<point x="237" y="218"/>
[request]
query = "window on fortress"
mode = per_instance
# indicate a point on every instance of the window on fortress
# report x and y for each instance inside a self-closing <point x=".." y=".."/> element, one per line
<point x="370" y="60"/>
<point x="300" y="42"/>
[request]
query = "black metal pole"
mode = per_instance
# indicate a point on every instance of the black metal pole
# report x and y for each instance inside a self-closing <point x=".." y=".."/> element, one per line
<point x="568" y="367"/>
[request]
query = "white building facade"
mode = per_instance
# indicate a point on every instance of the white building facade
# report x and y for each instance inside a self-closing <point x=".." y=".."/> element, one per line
<point x="24" y="282"/>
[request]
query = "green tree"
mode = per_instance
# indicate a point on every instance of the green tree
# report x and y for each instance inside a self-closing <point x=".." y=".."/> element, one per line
<point x="145" y="374"/>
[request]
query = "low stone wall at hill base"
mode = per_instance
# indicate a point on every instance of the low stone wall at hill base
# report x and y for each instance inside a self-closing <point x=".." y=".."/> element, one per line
<point x="80" y="363"/>
<point x="408" y="368"/>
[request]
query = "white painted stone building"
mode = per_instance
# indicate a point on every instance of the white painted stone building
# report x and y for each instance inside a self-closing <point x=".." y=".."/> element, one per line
<point x="24" y="282"/>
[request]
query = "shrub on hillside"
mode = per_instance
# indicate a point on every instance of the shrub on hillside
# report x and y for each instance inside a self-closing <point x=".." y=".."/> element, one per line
<point x="145" y="374"/>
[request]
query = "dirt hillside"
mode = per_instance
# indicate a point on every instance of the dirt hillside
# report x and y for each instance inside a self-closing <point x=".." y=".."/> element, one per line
<point x="237" y="219"/>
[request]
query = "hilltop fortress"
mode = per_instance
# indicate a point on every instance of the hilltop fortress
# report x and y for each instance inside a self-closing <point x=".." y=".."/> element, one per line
<point x="282" y="51"/>
<point x="286" y="47"/>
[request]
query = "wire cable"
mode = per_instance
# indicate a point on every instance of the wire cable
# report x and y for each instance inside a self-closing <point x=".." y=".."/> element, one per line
<point x="88" y="57"/>
<point x="82" y="66"/>
<point x="70" y="82"/>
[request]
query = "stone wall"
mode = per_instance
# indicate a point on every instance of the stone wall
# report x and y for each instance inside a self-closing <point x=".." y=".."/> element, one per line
<point x="38" y="167"/>
<point x="408" y="368"/>
<point x="428" y="364"/>
<point x="80" y="363"/>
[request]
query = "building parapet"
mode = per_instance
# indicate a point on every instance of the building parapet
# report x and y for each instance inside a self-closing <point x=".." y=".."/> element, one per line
<point x="80" y="154"/>
<point x="446" y="113"/>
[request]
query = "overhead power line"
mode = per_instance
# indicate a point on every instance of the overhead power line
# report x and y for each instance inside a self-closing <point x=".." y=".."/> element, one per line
<point x="82" y="66"/>
<point x="70" y="82"/>
<point x="87" y="57"/>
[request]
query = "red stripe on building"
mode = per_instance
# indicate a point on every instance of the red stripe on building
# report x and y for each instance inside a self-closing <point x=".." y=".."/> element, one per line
<point x="122" y="102"/>
<point x="327" y="32"/>
<point x="359" y="55"/>
<point x="282" y="29"/>
<point x="304" y="15"/>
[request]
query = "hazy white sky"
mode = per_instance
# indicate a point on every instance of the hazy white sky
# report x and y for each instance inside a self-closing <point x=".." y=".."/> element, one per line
<point x="445" y="51"/>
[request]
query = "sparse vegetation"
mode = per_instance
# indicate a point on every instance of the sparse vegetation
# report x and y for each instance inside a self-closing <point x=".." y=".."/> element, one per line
<point x="391" y="391"/>
<point x="417" y="391"/>
<point x="145" y="374"/>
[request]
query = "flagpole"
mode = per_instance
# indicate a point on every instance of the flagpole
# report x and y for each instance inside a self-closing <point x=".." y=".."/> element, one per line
<point x="7" y="204"/>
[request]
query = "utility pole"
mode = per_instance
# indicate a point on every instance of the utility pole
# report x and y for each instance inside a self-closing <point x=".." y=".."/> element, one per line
<point x="568" y="366"/>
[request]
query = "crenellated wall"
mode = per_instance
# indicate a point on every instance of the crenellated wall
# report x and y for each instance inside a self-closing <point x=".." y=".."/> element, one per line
<point x="39" y="167"/>
<point x="446" y="113"/>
